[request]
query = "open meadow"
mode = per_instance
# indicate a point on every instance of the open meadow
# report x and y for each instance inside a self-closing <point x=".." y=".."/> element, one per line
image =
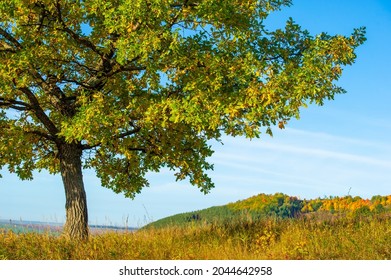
<point x="363" y="234"/>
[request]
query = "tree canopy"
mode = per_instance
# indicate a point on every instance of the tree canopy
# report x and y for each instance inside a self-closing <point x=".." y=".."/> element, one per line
<point x="137" y="85"/>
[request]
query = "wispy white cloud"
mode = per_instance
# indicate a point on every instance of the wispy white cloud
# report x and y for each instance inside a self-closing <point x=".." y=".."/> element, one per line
<point x="326" y="137"/>
<point x="312" y="144"/>
<point x="328" y="154"/>
<point x="307" y="163"/>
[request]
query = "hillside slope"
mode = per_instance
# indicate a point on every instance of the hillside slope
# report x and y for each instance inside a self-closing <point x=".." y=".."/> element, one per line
<point x="279" y="205"/>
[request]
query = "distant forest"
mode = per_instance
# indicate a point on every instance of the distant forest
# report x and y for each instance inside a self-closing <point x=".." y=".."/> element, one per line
<point x="282" y="206"/>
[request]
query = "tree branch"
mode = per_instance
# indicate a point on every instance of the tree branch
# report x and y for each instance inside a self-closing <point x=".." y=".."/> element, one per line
<point x="77" y="63"/>
<point x="54" y="92"/>
<point x="14" y="104"/>
<point x="10" y="38"/>
<point x="119" y="136"/>
<point x="5" y="47"/>
<point x="127" y="133"/>
<point x="83" y="41"/>
<point x="41" y="134"/>
<point x="35" y="132"/>
<point x="185" y="4"/>
<point x="38" y="111"/>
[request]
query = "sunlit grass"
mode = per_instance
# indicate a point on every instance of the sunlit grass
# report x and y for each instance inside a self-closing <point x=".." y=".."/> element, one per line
<point x="308" y="237"/>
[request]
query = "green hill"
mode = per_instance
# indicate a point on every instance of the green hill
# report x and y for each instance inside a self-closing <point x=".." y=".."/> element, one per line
<point x="279" y="205"/>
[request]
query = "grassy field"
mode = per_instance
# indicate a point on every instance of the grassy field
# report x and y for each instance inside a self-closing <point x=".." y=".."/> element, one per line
<point x="339" y="234"/>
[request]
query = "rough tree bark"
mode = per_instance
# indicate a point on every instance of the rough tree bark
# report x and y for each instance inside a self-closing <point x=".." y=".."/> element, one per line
<point x="76" y="225"/>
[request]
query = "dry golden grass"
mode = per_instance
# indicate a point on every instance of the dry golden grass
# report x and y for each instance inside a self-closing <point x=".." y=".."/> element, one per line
<point x="304" y="238"/>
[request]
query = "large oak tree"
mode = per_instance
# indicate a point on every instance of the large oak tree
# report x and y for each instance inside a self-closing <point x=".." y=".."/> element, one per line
<point x="130" y="86"/>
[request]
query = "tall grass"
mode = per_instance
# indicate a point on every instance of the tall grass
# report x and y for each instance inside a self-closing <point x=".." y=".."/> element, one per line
<point x="309" y="237"/>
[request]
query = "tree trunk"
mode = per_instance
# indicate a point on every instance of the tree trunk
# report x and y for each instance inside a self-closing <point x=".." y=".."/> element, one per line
<point x="76" y="225"/>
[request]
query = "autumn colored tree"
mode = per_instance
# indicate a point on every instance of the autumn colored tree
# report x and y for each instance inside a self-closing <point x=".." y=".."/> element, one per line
<point x="130" y="86"/>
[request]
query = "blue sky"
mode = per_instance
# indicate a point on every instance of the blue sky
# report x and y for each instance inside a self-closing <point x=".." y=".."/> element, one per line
<point x="341" y="147"/>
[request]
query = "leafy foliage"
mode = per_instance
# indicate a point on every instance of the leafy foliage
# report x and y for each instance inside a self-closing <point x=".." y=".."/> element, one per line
<point x="141" y="85"/>
<point x="349" y="204"/>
